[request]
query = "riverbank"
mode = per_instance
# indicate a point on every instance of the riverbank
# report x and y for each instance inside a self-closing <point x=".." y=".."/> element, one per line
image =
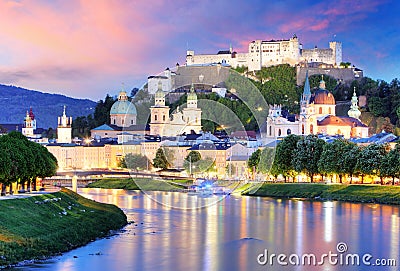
<point x="351" y="193"/>
<point x="45" y="225"/>
<point x="137" y="184"/>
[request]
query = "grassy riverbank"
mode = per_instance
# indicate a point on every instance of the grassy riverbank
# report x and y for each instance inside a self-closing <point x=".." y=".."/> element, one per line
<point x="351" y="193"/>
<point x="137" y="184"/>
<point x="40" y="226"/>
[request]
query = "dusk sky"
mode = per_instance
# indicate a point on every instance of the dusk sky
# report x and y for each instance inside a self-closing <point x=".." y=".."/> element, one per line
<point x="88" y="48"/>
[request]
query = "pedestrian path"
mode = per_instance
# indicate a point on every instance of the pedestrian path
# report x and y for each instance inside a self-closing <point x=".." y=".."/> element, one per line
<point x="30" y="194"/>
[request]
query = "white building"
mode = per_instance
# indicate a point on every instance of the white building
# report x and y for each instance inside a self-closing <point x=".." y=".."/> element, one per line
<point x="264" y="53"/>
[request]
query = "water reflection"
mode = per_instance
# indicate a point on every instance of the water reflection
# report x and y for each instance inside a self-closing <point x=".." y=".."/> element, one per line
<point x="230" y="234"/>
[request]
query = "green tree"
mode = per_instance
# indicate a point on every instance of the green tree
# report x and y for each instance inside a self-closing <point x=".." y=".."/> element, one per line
<point x="285" y="151"/>
<point x="307" y="155"/>
<point x="161" y="161"/>
<point x="190" y="160"/>
<point x="254" y="160"/>
<point x="135" y="161"/>
<point x="390" y="165"/>
<point x="350" y="158"/>
<point x="368" y="162"/>
<point x="329" y="162"/>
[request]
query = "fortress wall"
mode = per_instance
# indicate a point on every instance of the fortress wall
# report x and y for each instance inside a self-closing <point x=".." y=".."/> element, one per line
<point x="346" y="75"/>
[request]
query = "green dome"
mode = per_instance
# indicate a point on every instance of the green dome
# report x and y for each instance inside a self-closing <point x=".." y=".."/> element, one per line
<point x="123" y="107"/>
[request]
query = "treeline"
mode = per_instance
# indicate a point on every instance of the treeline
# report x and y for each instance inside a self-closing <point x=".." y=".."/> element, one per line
<point x="22" y="161"/>
<point x="313" y="156"/>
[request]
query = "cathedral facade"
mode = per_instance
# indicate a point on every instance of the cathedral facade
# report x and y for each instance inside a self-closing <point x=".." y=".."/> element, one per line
<point x="317" y="116"/>
<point x="182" y="121"/>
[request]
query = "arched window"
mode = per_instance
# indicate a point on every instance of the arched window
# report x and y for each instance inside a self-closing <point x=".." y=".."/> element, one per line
<point x="279" y="132"/>
<point x="123" y="121"/>
<point x="114" y="121"/>
<point x="132" y="122"/>
<point x="311" y="129"/>
<point x="302" y="129"/>
<point x="288" y="132"/>
<point x="320" y="110"/>
<point x="155" y="117"/>
<point x="330" y="111"/>
<point x="163" y="117"/>
<point x="270" y="130"/>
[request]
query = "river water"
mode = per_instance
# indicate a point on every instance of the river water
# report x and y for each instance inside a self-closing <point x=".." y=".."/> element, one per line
<point x="237" y="233"/>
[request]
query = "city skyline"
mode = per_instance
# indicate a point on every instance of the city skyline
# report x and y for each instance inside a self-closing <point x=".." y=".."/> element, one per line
<point x="86" y="49"/>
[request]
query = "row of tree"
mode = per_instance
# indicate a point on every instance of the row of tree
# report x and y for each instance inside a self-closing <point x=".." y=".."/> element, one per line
<point x="313" y="156"/>
<point x="23" y="161"/>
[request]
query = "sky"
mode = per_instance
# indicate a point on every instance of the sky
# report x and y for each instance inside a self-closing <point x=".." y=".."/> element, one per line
<point x="88" y="48"/>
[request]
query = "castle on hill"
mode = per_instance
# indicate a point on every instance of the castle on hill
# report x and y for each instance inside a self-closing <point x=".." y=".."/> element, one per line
<point x="265" y="53"/>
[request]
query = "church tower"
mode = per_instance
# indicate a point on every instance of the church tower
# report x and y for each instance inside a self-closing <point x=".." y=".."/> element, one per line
<point x="64" y="129"/>
<point x="159" y="113"/>
<point x="354" y="112"/>
<point x="308" y="121"/>
<point x="192" y="114"/>
<point x="27" y="130"/>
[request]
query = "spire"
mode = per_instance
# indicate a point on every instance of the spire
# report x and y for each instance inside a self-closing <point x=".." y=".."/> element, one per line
<point x="64" y="115"/>
<point x="307" y="91"/>
<point x="322" y="84"/>
<point x="159" y="85"/>
<point x="192" y="88"/>
<point x="354" y="112"/>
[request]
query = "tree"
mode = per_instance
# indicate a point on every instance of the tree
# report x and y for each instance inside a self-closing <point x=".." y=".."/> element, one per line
<point x="254" y="160"/>
<point x="390" y="166"/>
<point x="135" y="161"/>
<point x="350" y="158"/>
<point x="307" y="155"/>
<point x="328" y="162"/>
<point x="266" y="160"/>
<point x="368" y="162"/>
<point x="285" y="151"/>
<point x="161" y="161"/>
<point x="191" y="159"/>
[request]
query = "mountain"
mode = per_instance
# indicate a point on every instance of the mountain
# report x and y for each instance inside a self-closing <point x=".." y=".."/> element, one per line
<point x="15" y="101"/>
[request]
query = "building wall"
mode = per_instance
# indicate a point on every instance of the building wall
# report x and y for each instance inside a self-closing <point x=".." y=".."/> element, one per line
<point x="123" y="120"/>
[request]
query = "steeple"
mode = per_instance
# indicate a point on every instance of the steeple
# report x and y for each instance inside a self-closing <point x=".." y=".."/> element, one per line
<point x="322" y="84"/>
<point x="306" y="92"/>
<point x="192" y="98"/>
<point x="122" y="96"/>
<point x="159" y="96"/>
<point x="354" y="112"/>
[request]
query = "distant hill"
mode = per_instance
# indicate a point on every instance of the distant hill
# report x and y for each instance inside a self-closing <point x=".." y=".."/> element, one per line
<point x="15" y="101"/>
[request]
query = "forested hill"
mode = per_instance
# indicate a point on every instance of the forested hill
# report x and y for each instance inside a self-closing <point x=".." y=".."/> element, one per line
<point x="15" y="101"/>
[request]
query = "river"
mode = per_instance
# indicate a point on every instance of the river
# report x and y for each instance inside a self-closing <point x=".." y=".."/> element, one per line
<point x="236" y="233"/>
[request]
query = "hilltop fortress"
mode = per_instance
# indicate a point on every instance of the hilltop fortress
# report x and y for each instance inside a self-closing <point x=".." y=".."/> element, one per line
<point x="265" y="53"/>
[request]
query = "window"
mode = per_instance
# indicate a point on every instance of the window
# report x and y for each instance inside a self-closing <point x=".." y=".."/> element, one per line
<point x="330" y="111"/>
<point x="320" y="110"/>
<point x="155" y="117"/>
<point x="270" y="130"/>
<point x="288" y="132"/>
<point x="131" y="121"/>
<point x="311" y="129"/>
<point x="113" y="121"/>
<point x="163" y="117"/>
<point x="279" y="132"/>
<point x="302" y="129"/>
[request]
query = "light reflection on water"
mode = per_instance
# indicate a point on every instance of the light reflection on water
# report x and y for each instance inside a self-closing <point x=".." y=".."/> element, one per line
<point x="230" y="234"/>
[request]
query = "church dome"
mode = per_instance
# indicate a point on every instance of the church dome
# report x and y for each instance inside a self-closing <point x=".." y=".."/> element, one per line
<point x="123" y="106"/>
<point x="323" y="96"/>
